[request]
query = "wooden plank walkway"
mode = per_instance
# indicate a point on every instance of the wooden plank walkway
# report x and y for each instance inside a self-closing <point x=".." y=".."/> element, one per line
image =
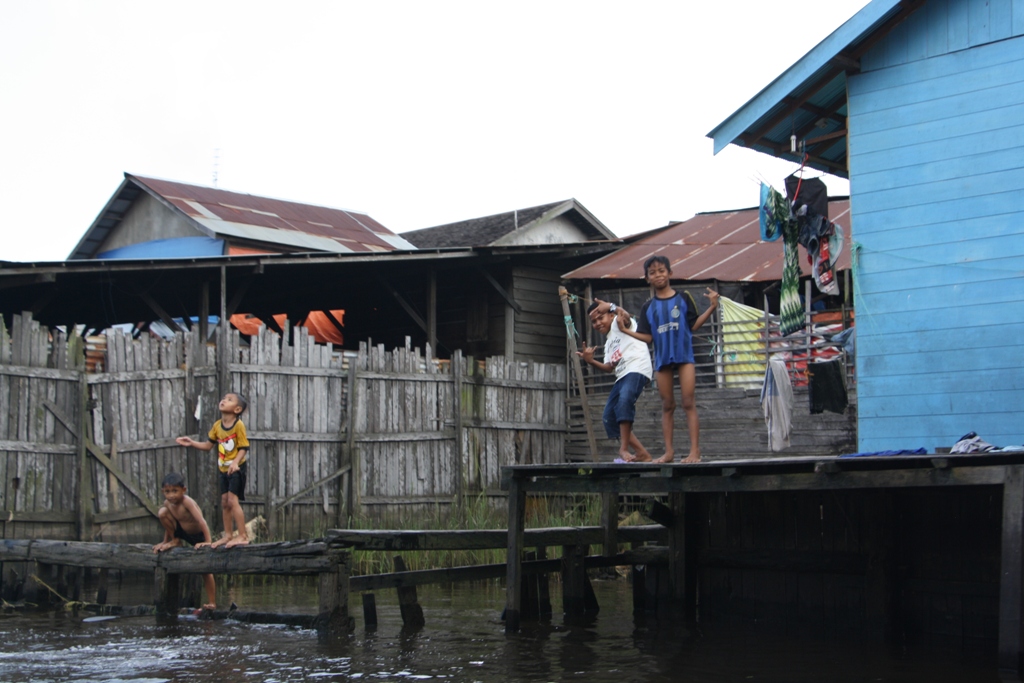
<point x="859" y="476"/>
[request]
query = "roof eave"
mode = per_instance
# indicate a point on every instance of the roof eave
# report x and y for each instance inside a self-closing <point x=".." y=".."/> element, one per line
<point x="828" y="50"/>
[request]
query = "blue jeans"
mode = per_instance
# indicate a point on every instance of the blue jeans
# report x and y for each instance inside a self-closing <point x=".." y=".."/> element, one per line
<point x="621" y="406"/>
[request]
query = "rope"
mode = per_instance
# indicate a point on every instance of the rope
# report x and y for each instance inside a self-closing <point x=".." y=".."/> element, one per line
<point x="570" y="327"/>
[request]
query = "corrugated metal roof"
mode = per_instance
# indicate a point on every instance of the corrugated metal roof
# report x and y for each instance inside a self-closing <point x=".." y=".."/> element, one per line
<point x="353" y="231"/>
<point x="723" y="246"/>
<point x="247" y="217"/>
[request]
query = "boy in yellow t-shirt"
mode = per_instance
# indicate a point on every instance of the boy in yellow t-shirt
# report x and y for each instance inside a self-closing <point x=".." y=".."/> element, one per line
<point x="228" y="435"/>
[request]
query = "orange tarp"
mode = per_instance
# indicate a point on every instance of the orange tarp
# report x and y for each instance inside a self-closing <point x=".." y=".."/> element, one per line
<point x="317" y="322"/>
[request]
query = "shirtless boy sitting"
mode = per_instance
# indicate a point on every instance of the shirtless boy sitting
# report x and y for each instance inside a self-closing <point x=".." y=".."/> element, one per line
<point x="182" y="520"/>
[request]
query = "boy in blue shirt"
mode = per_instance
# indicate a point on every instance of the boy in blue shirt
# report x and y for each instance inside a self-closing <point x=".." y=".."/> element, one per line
<point x="669" y="319"/>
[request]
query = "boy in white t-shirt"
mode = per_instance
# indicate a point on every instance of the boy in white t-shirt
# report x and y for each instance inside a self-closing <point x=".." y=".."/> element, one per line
<point x="630" y="360"/>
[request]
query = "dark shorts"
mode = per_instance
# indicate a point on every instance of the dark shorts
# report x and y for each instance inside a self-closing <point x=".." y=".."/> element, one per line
<point x="621" y="406"/>
<point x="191" y="539"/>
<point x="234" y="483"/>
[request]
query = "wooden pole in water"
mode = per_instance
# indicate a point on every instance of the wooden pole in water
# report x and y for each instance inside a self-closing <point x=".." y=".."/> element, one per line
<point x="333" y="618"/>
<point x="514" y="556"/>
<point x="563" y="294"/>
<point x="408" y="603"/>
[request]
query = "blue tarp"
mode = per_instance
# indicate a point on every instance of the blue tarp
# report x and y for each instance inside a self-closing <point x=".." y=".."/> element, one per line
<point x="175" y="247"/>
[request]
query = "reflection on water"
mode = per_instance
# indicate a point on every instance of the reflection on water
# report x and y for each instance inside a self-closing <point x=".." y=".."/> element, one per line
<point x="464" y="640"/>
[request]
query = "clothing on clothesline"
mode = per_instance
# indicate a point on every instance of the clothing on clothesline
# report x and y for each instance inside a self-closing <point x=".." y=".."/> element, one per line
<point x="772" y="212"/>
<point x="777" y="403"/>
<point x="807" y="192"/>
<point x="827" y="386"/>
<point x="791" y="312"/>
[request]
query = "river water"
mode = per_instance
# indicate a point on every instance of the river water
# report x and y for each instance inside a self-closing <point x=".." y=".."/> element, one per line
<point x="463" y="640"/>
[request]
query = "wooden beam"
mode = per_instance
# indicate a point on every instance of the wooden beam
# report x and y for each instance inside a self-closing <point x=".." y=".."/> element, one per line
<point x="98" y="453"/>
<point x="160" y="312"/>
<point x="287" y="558"/>
<point x="482" y="539"/>
<point x="432" y="310"/>
<point x="315" y="485"/>
<point x="404" y="304"/>
<point x="372" y="582"/>
<point x="240" y="292"/>
<point x="501" y="290"/>
<point x="960" y="476"/>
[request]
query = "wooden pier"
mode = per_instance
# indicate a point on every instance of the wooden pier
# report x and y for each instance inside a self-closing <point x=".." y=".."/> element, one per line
<point x="330" y="559"/>
<point x="929" y="546"/>
<point x="296" y="558"/>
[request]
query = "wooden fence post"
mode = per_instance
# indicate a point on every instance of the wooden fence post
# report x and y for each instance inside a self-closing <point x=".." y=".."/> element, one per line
<point x="456" y="368"/>
<point x="353" y="455"/>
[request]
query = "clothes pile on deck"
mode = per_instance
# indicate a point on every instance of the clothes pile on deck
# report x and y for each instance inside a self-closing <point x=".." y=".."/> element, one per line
<point x="972" y="443"/>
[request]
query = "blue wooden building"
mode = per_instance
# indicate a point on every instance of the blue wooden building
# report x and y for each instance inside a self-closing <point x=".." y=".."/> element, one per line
<point x="921" y="104"/>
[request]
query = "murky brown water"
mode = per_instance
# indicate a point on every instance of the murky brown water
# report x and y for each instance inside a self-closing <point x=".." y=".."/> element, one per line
<point x="464" y="640"/>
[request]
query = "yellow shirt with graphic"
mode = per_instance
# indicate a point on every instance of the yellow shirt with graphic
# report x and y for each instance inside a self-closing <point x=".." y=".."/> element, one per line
<point x="229" y="442"/>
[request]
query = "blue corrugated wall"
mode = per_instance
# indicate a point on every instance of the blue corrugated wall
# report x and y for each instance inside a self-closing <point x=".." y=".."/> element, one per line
<point x="937" y="197"/>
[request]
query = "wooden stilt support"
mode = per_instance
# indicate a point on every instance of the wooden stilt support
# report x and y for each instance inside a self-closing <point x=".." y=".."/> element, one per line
<point x="530" y="606"/>
<point x="543" y="587"/>
<point x="677" y="555"/>
<point x="101" y="586"/>
<point x="412" y="613"/>
<point x="333" y="619"/>
<point x="639" y="577"/>
<point x="369" y="612"/>
<point x="516" y="522"/>
<point x="878" y="581"/>
<point x="192" y="590"/>
<point x="1010" y="612"/>
<point x="574" y="576"/>
<point x="167" y="587"/>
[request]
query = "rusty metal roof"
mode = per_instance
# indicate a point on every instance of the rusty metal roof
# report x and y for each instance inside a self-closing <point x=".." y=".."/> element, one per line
<point x="724" y="245"/>
<point x="246" y="217"/>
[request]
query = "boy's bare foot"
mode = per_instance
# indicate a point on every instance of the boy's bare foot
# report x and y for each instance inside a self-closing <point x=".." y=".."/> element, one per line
<point x="668" y="457"/>
<point x="694" y="456"/>
<point x="236" y="541"/>
<point x="223" y="540"/>
<point x="641" y="456"/>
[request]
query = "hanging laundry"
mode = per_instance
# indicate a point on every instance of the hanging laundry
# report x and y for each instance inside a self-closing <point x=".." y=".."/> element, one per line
<point x="822" y="238"/>
<point x="772" y="212"/>
<point x="807" y="195"/>
<point x="791" y="312"/>
<point x="742" y="343"/>
<point x="777" y="403"/>
<point x="827" y="386"/>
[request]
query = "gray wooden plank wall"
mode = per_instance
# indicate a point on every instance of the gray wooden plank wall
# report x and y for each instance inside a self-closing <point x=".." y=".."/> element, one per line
<point x="303" y="476"/>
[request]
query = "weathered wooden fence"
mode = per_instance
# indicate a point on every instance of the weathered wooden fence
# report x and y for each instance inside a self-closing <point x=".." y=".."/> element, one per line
<point x="420" y="432"/>
<point x="427" y="433"/>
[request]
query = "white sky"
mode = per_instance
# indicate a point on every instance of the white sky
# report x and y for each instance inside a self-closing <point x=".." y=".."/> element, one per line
<point x="417" y="113"/>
